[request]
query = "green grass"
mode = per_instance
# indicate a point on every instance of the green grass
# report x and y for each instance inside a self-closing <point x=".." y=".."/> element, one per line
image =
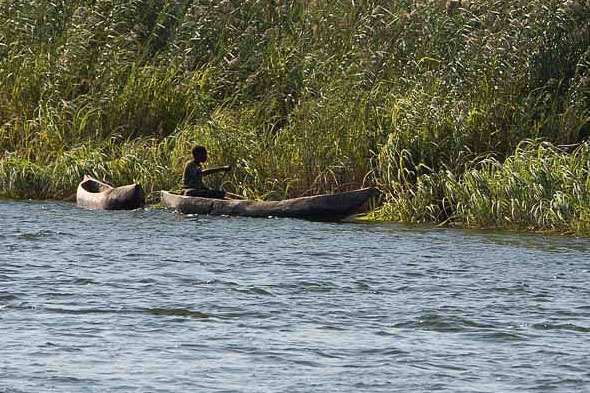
<point x="434" y="102"/>
<point x="539" y="188"/>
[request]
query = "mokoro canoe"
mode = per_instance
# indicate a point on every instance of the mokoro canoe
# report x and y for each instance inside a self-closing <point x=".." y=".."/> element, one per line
<point x="325" y="207"/>
<point x="94" y="194"/>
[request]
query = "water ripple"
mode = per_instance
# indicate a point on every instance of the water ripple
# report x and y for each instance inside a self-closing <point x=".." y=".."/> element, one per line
<point x="562" y="326"/>
<point x="152" y="301"/>
<point x="177" y="312"/>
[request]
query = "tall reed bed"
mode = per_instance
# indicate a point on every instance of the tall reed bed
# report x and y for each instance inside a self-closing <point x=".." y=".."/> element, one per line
<point x="301" y="97"/>
<point x="540" y="187"/>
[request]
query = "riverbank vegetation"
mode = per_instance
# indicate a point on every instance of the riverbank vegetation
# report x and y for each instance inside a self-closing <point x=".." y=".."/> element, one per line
<point x="473" y="113"/>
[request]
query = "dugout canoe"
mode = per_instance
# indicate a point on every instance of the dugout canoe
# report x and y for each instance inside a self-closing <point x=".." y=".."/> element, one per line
<point x="324" y="207"/>
<point x="94" y="194"/>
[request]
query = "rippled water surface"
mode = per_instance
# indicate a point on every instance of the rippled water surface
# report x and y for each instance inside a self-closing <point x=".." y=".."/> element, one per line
<point x="150" y="301"/>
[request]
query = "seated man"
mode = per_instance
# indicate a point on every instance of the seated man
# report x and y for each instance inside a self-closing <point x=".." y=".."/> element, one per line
<point x="192" y="180"/>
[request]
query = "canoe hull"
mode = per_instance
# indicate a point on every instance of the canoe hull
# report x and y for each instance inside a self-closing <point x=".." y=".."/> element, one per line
<point x="94" y="194"/>
<point x="325" y="207"/>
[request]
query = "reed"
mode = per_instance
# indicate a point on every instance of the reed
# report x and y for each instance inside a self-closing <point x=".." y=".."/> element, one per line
<point x="540" y="187"/>
<point x="416" y="97"/>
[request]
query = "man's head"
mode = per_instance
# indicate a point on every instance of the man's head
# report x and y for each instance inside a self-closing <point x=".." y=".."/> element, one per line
<point x="200" y="153"/>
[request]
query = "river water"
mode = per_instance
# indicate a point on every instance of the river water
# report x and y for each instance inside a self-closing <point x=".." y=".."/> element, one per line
<point x="151" y="301"/>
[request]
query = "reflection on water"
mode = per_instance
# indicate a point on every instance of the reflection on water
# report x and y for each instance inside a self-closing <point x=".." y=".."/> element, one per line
<point x="153" y="301"/>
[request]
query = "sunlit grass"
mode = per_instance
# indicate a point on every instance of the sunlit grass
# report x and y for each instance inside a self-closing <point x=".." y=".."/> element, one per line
<point x="539" y="188"/>
<point x="428" y="100"/>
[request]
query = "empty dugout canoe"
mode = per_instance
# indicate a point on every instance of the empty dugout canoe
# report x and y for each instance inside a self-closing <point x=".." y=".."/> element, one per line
<point x="94" y="194"/>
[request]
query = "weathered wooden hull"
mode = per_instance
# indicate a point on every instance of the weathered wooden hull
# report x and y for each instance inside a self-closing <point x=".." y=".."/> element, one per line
<point x="94" y="194"/>
<point x="325" y="207"/>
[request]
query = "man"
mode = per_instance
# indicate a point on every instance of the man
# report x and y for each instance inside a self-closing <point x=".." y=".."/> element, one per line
<point x="192" y="180"/>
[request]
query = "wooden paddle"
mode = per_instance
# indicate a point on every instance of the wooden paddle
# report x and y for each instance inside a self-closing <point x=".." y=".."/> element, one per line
<point x="230" y="194"/>
<point x="235" y="196"/>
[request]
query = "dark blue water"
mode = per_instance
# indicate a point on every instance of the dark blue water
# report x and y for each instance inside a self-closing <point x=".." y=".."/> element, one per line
<point x="150" y="301"/>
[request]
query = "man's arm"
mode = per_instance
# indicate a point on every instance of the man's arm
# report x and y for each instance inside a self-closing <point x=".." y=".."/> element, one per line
<point x="210" y="171"/>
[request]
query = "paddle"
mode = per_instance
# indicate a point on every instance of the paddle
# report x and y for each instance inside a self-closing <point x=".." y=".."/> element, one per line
<point x="230" y="194"/>
<point x="235" y="196"/>
<point x="221" y="181"/>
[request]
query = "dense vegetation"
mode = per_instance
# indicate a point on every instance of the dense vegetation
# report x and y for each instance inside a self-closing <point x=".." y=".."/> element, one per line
<point x="461" y="112"/>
